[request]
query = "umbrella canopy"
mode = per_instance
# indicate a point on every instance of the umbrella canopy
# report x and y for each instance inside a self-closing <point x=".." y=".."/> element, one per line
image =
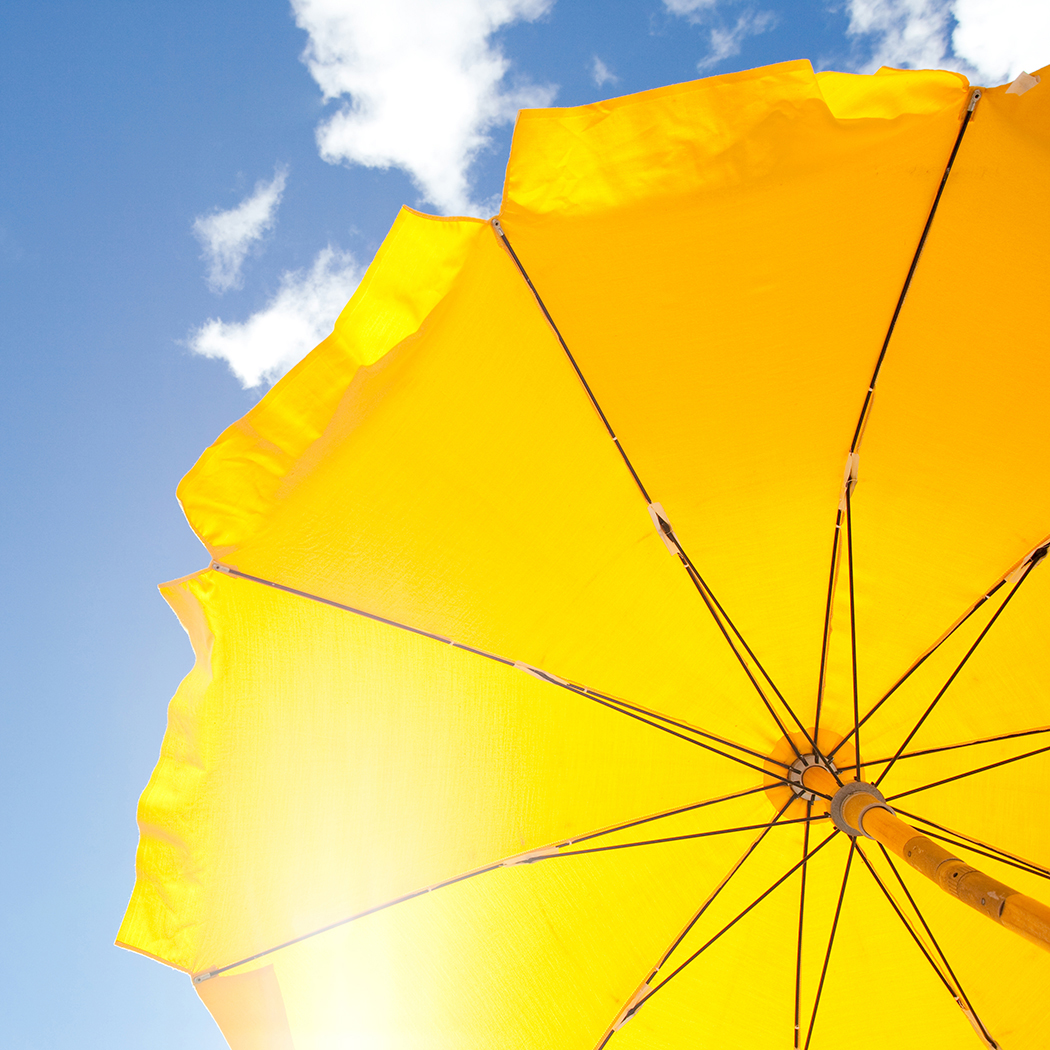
<point x="538" y="585"/>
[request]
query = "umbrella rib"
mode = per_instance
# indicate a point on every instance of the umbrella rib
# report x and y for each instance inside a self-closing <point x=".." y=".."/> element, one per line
<point x="572" y="360"/>
<point x="208" y="974"/>
<point x="1033" y="562"/>
<point x="667" y="813"/>
<point x="865" y="408"/>
<point x="478" y="871"/>
<point x="230" y="571"/>
<point x="918" y="663"/>
<point x="968" y="773"/>
<point x="638" y="997"/>
<point x="907" y="925"/>
<point x="825" y="643"/>
<point x="975" y="97"/>
<point x="699" y="583"/>
<point x="614" y="704"/>
<point x="955" y="991"/>
<point x="594" y="694"/>
<point x="732" y="922"/>
<point x="831" y="942"/>
<point x="693" y="835"/>
<point x="711" y="602"/>
<point x="937" y="947"/>
<point x="801" y="917"/>
<point x="717" y="890"/>
<point x="966" y="743"/>
<point x="1036" y="555"/>
<point x="853" y="626"/>
<point x="628" y="710"/>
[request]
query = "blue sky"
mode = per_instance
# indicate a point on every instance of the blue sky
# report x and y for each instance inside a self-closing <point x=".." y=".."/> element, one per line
<point x="162" y="188"/>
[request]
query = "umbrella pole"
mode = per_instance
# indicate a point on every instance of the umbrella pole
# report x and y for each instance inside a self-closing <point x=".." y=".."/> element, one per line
<point x="859" y="809"/>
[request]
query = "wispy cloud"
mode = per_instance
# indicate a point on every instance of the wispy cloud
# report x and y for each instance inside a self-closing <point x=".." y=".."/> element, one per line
<point x="298" y="317"/>
<point x="226" y="236"/>
<point x="727" y="42"/>
<point x="601" y="74"/>
<point x="694" y="10"/>
<point x="990" y="41"/>
<point x="724" y="40"/>
<point x="423" y="82"/>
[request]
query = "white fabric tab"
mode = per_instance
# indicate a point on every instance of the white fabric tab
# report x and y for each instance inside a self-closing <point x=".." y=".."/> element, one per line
<point x="991" y="1044"/>
<point x="1037" y="554"/>
<point x="543" y="676"/>
<point x="663" y="527"/>
<point x="1025" y="82"/>
<point x="849" y="479"/>
<point x="635" y="1001"/>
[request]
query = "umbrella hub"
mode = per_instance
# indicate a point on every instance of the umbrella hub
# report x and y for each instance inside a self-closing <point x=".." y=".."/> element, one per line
<point x="847" y="803"/>
<point x="797" y="771"/>
<point x="793" y="757"/>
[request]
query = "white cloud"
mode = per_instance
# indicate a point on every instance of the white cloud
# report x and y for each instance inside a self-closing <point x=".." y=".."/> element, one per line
<point x="226" y="236"/>
<point x="724" y="42"/>
<point x="909" y="33"/>
<point x="727" y="42"/>
<point x="1000" y="38"/>
<point x="424" y="84"/>
<point x="299" y="316"/>
<point x="990" y="41"/>
<point x="601" y="74"/>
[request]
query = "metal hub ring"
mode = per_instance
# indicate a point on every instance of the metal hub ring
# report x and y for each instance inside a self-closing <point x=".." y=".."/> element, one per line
<point x="797" y="770"/>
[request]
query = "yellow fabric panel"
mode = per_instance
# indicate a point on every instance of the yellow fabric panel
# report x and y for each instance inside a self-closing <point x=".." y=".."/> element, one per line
<point x="249" y="1009"/>
<point x="523" y="958"/>
<point x="1003" y="688"/>
<point x="698" y="137"/>
<point x="469" y="489"/>
<point x="891" y="92"/>
<point x="953" y="492"/>
<point x="729" y="321"/>
<point x="318" y="764"/>
<point x="415" y="266"/>
<point x="237" y="479"/>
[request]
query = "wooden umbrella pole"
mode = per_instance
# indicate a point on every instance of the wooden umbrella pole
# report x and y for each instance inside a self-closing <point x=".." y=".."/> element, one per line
<point x="860" y="810"/>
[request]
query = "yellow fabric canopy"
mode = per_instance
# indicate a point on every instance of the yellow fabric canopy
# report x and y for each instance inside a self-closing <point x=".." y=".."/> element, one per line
<point x="441" y="631"/>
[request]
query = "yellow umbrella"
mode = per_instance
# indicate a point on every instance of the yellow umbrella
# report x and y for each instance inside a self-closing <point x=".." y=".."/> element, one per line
<point x="560" y="593"/>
